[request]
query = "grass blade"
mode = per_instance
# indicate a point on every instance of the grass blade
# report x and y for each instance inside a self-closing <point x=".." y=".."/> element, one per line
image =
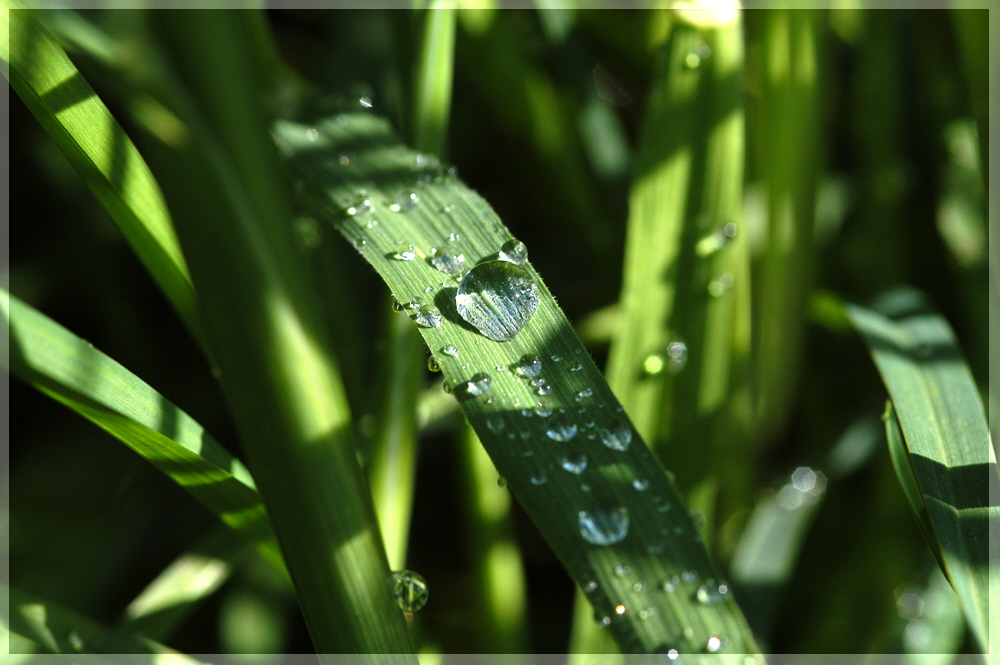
<point x="97" y="147"/>
<point x="262" y="321"/>
<point x="69" y="370"/>
<point x="433" y="97"/>
<point x="430" y="208"/>
<point x="950" y="453"/>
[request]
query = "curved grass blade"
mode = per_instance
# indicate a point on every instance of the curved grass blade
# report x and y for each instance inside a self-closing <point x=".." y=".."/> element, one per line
<point x="950" y="453"/>
<point x="528" y="425"/>
<point x="58" y="630"/>
<point x="72" y="372"/>
<point x="97" y="147"/>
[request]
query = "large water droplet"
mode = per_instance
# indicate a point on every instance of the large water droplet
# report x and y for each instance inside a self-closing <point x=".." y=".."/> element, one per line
<point x="428" y="317"/>
<point x="514" y="251"/>
<point x="560" y="429"/>
<point x="479" y="384"/>
<point x="617" y="436"/>
<point x="448" y="258"/>
<point x="528" y="366"/>
<point x="574" y="463"/>
<point x="605" y="525"/>
<point x="498" y="298"/>
<point x="405" y="252"/>
<point x="410" y="590"/>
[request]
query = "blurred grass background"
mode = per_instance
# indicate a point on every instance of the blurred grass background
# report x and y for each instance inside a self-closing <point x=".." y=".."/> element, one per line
<point x="545" y="122"/>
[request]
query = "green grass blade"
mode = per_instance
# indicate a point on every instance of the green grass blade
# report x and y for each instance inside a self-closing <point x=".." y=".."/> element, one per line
<point x="944" y="427"/>
<point x="56" y="629"/>
<point x="433" y="89"/>
<point x="178" y="590"/>
<point x="97" y="147"/>
<point x="71" y="371"/>
<point x="427" y="208"/>
<point x="233" y="207"/>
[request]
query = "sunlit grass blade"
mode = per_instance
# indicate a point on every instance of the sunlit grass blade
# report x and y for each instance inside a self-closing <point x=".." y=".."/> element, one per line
<point x="950" y="453"/>
<point x="56" y="629"/>
<point x="433" y="88"/>
<point x="232" y="205"/>
<point x="177" y="591"/>
<point x="97" y="147"/>
<point x="784" y="126"/>
<point x="71" y="371"/>
<point x="527" y="428"/>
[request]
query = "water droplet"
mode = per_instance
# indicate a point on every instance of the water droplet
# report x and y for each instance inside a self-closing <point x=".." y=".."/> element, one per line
<point x="646" y="613"/>
<point x="312" y="134"/>
<point x="404" y="201"/>
<point x="713" y="644"/>
<point x="689" y="576"/>
<point x="711" y="594"/>
<point x="76" y="640"/>
<point x="539" y="479"/>
<point x="606" y="621"/>
<point x="620" y="609"/>
<point x="576" y="368"/>
<point x="428" y="317"/>
<point x="639" y="587"/>
<point x="556" y="359"/>
<point x="498" y="298"/>
<point x="692" y="60"/>
<point x="584" y="394"/>
<point x="450" y="351"/>
<point x="590" y="587"/>
<point x="448" y="258"/>
<point x="544" y="390"/>
<point x="542" y="411"/>
<point x="513" y="251"/>
<point x="501" y="482"/>
<point x="669" y="584"/>
<point x="446" y="387"/>
<point x="605" y="525"/>
<point x="365" y="102"/>
<point x="396" y="305"/>
<point x="433" y="365"/>
<point x="405" y="252"/>
<point x="622" y="571"/>
<point x="640" y="484"/>
<point x="422" y="161"/>
<point x="617" y="436"/>
<point x="361" y="204"/>
<point x="538" y="382"/>
<point x="528" y="366"/>
<point x="479" y="384"/>
<point x="560" y="429"/>
<point x="718" y="287"/>
<point x="678" y="352"/>
<point x="495" y="424"/>
<point x="673" y="654"/>
<point x="575" y="463"/>
<point x="344" y="160"/>
<point x="410" y="590"/>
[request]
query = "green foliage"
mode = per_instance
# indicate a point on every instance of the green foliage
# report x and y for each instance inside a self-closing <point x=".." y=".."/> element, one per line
<point x="692" y="186"/>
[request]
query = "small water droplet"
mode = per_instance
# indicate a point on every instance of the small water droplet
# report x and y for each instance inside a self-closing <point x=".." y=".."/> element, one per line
<point x="448" y="258"/>
<point x="606" y="621"/>
<point x="639" y="587"/>
<point x="410" y="590"/>
<point x="556" y="358"/>
<point x="528" y="366"/>
<point x="669" y="584"/>
<point x="617" y="436"/>
<point x="312" y="134"/>
<point x="542" y="411"/>
<point x="501" y="482"/>
<point x="640" y="484"/>
<point x="404" y="201"/>
<point x="450" y="351"/>
<point x="711" y="594"/>
<point x="584" y="394"/>
<point x="729" y="230"/>
<point x="405" y="252"/>
<point x="513" y="251"/>
<point x="646" y="613"/>
<point x="692" y="60"/>
<point x="479" y="385"/>
<point x="622" y="571"/>
<point x="433" y="365"/>
<point x="544" y="390"/>
<point x="713" y="644"/>
<point x="495" y="424"/>
<point x="361" y="204"/>
<point x="428" y="317"/>
<point x="446" y="387"/>
<point x="653" y="364"/>
<point x="76" y="641"/>
<point x="575" y="463"/>
<point x="498" y="298"/>
<point x="396" y="305"/>
<point x="344" y="160"/>
<point x="689" y="576"/>
<point x="576" y="368"/>
<point x="365" y="102"/>
<point x="590" y="587"/>
<point x="560" y="429"/>
<point x="605" y="525"/>
<point x="539" y="479"/>
<point x="678" y="352"/>
<point x="538" y="382"/>
<point x="718" y="287"/>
